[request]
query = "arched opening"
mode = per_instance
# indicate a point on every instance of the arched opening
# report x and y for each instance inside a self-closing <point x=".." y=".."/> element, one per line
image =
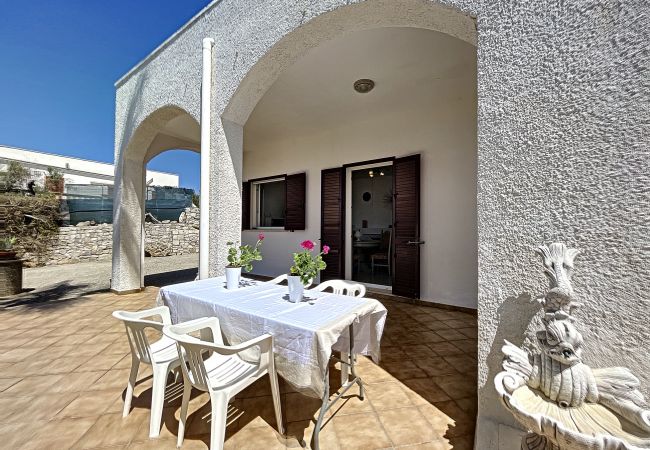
<point x="171" y="246"/>
<point x="301" y="114"/>
<point x="167" y="128"/>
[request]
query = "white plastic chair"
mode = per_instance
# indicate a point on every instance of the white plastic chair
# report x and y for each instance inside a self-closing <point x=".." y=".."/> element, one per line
<point x="279" y="279"/>
<point x="162" y="355"/>
<point x="341" y="287"/>
<point x="223" y="374"/>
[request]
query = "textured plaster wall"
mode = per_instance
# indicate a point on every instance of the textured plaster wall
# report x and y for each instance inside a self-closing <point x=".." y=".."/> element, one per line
<point x="562" y="147"/>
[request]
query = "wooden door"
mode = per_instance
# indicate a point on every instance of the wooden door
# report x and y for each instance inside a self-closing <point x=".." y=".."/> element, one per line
<point x="333" y="222"/>
<point x="406" y="227"/>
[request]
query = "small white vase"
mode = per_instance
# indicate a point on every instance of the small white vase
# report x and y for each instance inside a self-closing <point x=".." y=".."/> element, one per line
<point x="296" y="288"/>
<point x="233" y="275"/>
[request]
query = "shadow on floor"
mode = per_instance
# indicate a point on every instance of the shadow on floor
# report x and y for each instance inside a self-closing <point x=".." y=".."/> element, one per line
<point x="173" y="277"/>
<point x="57" y="295"/>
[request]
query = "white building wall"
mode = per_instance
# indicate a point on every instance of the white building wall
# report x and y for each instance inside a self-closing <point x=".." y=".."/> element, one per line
<point x="75" y="170"/>
<point x="443" y="133"/>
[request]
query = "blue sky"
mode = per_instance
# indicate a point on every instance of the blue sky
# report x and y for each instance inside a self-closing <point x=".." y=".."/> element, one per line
<point x="59" y="60"/>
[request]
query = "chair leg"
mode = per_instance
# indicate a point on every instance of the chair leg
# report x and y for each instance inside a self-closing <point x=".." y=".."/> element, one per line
<point x="275" y="392"/>
<point x="133" y="376"/>
<point x="187" y="390"/>
<point x="219" y="404"/>
<point x="157" y="398"/>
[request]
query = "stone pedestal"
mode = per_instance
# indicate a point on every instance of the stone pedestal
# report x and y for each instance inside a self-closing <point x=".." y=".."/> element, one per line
<point x="11" y="277"/>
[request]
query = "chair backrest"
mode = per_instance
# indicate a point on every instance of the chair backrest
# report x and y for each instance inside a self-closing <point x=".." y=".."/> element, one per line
<point x="386" y="237"/>
<point x="279" y="279"/>
<point x="341" y="287"/>
<point x="136" y="326"/>
<point x="192" y="349"/>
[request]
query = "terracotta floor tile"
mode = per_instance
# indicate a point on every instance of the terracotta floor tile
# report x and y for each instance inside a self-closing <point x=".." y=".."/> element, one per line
<point x="422" y="391"/>
<point x="58" y="434"/>
<point x="111" y="380"/>
<point x="446" y="349"/>
<point x="388" y="395"/>
<point x="406" y="426"/>
<point x="18" y="354"/>
<point x="112" y="429"/>
<point x="34" y="385"/>
<point x="456" y="387"/>
<point x="439" y="444"/>
<point x="15" y="435"/>
<point x="6" y="383"/>
<point x="360" y="432"/>
<point x="89" y="404"/>
<point x="299" y="434"/>
<point x="301" y="407"/>
<point x="255" y="438"/>
<point x="436" y="367"/>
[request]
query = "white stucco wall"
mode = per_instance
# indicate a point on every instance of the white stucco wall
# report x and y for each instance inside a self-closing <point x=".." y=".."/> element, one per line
<point x="563" y="152"/>
<point x="444" y="133"/>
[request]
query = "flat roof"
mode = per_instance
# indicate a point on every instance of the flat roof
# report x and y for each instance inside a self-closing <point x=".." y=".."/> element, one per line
<point x="69" y="157"/>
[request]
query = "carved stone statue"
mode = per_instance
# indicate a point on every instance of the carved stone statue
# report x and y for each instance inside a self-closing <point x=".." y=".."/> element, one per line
<point x="562" y="401"/>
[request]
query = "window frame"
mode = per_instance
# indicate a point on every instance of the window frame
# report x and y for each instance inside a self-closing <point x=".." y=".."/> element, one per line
<point x="254" y="200"/>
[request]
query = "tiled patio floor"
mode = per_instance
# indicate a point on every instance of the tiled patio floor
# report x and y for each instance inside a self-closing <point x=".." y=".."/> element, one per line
<point x="64" y="367"/>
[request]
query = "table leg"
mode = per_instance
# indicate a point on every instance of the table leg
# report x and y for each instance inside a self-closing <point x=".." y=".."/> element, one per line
<point x="348" y="362"/>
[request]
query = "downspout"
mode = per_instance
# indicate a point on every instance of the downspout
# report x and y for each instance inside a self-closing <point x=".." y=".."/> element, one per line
<point x="206" y="93"/>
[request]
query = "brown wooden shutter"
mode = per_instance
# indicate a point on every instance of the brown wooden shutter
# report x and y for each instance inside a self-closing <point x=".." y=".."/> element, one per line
<point x="246" y="205"/>
<point x="406" y="226"/>
<point x="333" y="222"/>
<point x="295" y="191"/>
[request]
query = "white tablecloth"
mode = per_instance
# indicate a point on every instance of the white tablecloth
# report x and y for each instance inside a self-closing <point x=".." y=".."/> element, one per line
<point x="304" y="333"/>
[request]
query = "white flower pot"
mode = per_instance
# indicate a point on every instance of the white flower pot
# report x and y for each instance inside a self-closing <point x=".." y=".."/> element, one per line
<point x="296" y="288"/>
<point x="233" y="275"/>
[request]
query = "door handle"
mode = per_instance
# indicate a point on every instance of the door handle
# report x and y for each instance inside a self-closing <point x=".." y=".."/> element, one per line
<point x="415" y="242"/>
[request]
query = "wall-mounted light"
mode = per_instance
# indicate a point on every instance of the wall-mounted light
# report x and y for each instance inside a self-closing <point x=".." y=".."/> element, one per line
<point x="381" y="173"/>
<point x="364" y="85"/>
<point x="371" y="173"/>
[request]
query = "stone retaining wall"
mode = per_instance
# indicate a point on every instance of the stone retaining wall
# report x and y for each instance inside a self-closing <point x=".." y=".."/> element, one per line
<point x="86" y="242"/>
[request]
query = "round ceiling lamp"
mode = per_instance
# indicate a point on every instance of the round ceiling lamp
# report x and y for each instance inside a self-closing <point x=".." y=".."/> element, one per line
<point x="364" y="85"/>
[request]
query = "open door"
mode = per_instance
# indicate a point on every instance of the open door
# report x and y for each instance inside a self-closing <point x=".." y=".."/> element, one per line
<point x="333" y="222"/>
<point x="406" y="226"/>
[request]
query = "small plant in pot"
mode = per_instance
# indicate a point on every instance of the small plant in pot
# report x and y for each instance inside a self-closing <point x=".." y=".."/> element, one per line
<point x="306" y="266"/>
<point x="7" y="247"/>
<point x="241" y="257"/>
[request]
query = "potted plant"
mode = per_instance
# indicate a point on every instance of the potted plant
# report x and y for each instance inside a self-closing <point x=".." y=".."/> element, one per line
<point x="6" y="247"/>
<point x="241" y="257"/>
<point x="305" y="268"/>
<point x="54" y="181"/>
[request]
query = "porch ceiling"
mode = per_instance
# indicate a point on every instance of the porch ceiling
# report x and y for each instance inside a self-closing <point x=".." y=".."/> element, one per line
<point x="411" y="67"/>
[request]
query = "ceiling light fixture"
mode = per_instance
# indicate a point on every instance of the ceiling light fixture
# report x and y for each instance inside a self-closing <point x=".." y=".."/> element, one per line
<point x="364" y="85"/>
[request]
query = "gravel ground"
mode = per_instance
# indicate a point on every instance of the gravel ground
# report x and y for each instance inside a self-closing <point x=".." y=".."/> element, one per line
<point x="81" y="278"/>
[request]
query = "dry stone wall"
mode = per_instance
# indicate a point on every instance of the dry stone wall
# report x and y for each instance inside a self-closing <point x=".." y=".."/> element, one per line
<point x="87" y="242"/>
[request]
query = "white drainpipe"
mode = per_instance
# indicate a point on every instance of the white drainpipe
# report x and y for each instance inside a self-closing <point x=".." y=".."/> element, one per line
<point x="206" y="92"/>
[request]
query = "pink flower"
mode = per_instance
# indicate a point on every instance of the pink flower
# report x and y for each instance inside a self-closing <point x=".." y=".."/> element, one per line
<point x="307" y="245"/>
<point x="260" y="237"/>
<point x="326" y="249"/>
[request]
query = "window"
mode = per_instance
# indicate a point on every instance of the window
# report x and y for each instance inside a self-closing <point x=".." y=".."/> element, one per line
<point x="269" y="203"/>
<point x="276" y="202"/>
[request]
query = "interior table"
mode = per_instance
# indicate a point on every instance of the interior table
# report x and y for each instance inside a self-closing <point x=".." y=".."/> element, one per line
<point x="305" y="333"/>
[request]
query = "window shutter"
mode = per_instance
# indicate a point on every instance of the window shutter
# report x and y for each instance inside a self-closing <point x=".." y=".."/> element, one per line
<point x="332" y="228"/>
<point x="246" y="205"/>
<point x="295" y="192"/>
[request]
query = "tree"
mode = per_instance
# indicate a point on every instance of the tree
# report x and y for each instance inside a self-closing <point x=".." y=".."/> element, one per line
<point x="14" y="176"/>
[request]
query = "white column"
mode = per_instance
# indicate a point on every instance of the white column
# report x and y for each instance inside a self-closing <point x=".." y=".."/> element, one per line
<point x="206" y="93"/>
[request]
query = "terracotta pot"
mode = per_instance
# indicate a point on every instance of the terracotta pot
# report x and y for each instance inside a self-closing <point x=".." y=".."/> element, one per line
<point x="7" y="254"/>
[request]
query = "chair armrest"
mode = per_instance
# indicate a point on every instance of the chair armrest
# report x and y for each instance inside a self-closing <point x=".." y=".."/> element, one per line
<point x="162" y="311"/>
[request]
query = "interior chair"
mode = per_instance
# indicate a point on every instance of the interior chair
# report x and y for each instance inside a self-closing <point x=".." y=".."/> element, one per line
<point x="162" y="355"/>
<point x="341" y="287"/>
<point x="382" y="257"/>
<point x="222" y="374"/>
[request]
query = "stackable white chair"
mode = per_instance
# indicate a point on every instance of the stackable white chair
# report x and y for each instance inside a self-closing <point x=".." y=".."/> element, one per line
<point x="162" y="355"/>
<point x="278" y="279"/>
<point x="341" y="287"/>
<point x="223" y="374"/>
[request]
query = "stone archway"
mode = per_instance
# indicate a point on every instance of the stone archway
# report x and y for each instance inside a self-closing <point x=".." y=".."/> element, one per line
<point x="169" y="127"/>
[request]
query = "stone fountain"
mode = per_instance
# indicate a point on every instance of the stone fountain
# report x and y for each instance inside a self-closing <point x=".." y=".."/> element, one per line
<point x="563" y="402"/>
